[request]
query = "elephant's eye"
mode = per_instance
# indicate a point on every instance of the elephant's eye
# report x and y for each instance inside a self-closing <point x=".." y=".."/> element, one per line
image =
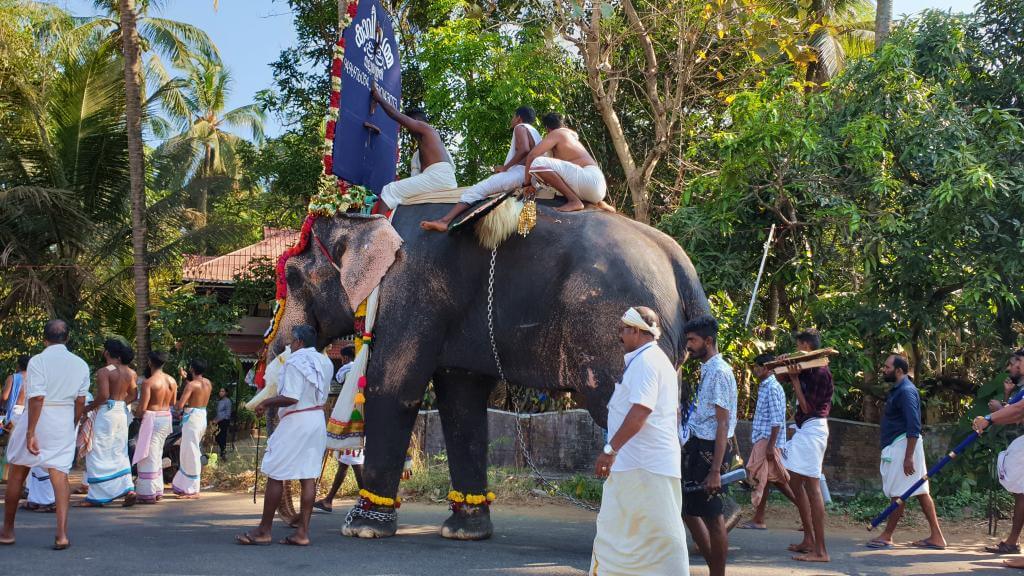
<point x="294" y="277"/>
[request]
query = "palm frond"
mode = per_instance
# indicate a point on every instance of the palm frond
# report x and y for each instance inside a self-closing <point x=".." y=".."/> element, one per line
<point x="178" y="41"/>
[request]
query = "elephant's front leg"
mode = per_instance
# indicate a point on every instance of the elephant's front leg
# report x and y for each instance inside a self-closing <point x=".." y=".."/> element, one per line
<point x="391" y="408"/>
<point x="462" y="405"/>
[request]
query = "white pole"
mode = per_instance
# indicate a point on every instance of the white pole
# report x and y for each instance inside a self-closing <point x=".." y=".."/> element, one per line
<point x="760" y="271"/>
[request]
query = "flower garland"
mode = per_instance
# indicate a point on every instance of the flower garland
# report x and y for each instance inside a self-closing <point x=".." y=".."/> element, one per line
<point x="456" y="499"/>
<point x="368" y="499"/>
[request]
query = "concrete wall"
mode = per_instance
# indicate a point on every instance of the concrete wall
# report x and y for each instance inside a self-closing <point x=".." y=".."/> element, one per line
<point x="568" y="442"/>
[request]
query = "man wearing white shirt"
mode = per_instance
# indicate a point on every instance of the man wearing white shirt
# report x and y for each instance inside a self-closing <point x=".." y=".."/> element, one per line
<point x="295" y="449"/>
<point x="639" y="529"/>
<point x="45" y="437"/>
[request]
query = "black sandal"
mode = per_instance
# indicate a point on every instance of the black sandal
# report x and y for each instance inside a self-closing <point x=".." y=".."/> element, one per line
<point x="1003" y="548"/>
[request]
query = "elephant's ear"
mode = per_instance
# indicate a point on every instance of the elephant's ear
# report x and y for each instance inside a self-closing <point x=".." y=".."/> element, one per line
<point x="369" y="253"/>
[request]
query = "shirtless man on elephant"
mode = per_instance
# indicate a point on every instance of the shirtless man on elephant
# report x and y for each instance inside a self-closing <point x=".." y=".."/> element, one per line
<point x="570" y="170"/>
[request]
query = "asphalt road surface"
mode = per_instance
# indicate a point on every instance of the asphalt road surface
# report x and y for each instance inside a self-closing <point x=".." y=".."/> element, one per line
<point x="196" y="538"/>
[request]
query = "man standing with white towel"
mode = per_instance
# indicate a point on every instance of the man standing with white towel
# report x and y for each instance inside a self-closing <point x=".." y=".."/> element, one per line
<point x="44" y="437"/>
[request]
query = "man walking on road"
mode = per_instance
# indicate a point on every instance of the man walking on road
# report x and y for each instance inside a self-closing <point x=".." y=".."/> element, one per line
<point x="638" y="529"/>
<point x="45" y="434"/>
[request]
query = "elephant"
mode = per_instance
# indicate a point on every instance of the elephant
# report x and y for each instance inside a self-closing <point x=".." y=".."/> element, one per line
<point x="558" y="296"/>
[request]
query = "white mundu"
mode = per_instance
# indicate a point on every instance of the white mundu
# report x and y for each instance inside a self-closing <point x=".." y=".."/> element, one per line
<point x="186" y="480"/>
<point x="510" y="179"/>
<point x="107" y="468"/>
<point x="640" y="527"/>
<point x="895" y="482"/>
<point x="149" y="454"/>
<point x="1011" y="467"/>
<point x="60" y="378"/>
<point x="437" y="177"/>
<point x="295" y="450"/>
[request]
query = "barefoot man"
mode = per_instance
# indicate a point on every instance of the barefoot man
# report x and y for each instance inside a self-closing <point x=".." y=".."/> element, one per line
<point x="156" y="395"/>
<point x="571" y="170"/>
<point x="903" y="461"/>
<point x="108" y="470"/>
<point x="192" y="406"/>
<point x="506" y="177"/>
<point x="295" y="450"/>
<point x="1011" y="461"/>
<point x="44" y="436"/>
<point x="438" y="169"/>
<point x="805" y="451"/>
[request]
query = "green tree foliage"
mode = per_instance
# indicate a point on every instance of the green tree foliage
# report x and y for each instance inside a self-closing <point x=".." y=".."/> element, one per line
<point x="898" y="207"/>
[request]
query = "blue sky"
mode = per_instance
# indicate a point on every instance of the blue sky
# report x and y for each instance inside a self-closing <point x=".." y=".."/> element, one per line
<point x="251" y="34"/>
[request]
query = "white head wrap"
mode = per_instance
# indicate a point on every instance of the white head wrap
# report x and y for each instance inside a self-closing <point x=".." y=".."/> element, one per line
<point x="634" y="319"/>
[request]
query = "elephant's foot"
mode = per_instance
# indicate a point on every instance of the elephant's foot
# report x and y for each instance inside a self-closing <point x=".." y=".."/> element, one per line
<point x="370" y="521"/>
<point x="468" y="522"/>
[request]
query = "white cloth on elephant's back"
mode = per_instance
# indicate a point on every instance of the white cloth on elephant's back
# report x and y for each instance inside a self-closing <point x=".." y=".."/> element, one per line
<point x="640" y="528"/>
<point x="295" y="450"/>
<point x="1011" y="467"/>
<point x="436" y="177"/>
<point x="894" y="481"/>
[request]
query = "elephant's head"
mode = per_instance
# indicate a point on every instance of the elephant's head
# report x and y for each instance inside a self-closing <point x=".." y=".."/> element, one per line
<point x="344" y="259"/>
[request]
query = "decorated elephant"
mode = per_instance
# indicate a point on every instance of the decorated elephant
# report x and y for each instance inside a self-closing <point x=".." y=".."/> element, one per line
<point x="558" y="294"/>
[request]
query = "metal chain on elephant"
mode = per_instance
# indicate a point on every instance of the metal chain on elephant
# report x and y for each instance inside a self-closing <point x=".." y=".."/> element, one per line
<point x="520" y="403"/>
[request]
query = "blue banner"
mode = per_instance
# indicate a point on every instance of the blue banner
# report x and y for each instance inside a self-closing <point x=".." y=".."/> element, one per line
<point x="366" y="139"/>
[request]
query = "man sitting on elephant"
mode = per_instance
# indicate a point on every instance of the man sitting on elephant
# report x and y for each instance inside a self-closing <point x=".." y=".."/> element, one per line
<point x="506" y="177"/>
<point x="570" y="170"/>
<point x="437" y="168"/>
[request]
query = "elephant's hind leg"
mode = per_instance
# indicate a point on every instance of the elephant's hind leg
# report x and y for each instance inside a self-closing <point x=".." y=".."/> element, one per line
<point x="462" y="406"/>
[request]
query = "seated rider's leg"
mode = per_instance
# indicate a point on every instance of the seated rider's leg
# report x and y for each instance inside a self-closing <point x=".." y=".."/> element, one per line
<point x="573" y="202"/>
<point x="441" y="224"/>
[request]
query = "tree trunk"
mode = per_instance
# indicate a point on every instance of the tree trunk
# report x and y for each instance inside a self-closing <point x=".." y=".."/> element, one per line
<point x="136" y="169"/>
<point x="883" y="22"/>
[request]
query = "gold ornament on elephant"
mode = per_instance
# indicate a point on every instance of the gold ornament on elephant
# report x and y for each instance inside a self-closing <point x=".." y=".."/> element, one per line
<point x="527" y="217"/>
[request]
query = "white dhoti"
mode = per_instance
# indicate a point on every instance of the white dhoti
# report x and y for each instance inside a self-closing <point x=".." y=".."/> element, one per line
<point x="1011" y="467"/>
<point x="640" y="527"/>
<point x="186" y="481"/>
<point x="149" y="451"/>
<point x="55" y="435"/>
<point x="107" y="468"/>
<point x="295" y="451"/>
<point x="506" y="181"/>
<point x="586" y="181"/>
<point x="805" y="451"/>
<point x="40" y="489"/>
<point x="894" y="482"/>
<point x="437" y="177"/>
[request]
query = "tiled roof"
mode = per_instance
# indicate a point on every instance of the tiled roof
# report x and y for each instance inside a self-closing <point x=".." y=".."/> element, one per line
<point x="223" y="269"/>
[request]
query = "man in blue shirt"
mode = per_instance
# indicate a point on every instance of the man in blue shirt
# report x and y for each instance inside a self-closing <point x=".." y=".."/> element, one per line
<point x="768" y="439"/>
<point x="903" y="454"/>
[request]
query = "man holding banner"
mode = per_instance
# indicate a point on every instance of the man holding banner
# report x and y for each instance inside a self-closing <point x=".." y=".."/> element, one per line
<point x="438" y="169"/>
<point x="903" y="460"/>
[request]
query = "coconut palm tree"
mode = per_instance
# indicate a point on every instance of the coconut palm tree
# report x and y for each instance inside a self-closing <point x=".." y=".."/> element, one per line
<point x="197" y="104"/>
<point x="883" y="22"/>
<point x="832" y="30"/>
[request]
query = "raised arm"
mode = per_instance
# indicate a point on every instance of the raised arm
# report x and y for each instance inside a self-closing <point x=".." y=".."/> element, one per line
<point x="414" y="126"/>
<point x="185" y="395"/>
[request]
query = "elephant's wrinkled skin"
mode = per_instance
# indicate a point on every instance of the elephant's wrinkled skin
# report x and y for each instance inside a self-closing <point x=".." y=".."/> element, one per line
<point x="558" y="297"/>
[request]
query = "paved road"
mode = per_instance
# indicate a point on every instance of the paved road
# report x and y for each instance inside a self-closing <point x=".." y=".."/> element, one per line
<point x="195" y="538"/>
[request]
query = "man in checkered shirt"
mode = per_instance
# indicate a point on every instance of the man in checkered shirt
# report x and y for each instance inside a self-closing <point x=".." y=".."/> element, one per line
<point x="768" y="438"/>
